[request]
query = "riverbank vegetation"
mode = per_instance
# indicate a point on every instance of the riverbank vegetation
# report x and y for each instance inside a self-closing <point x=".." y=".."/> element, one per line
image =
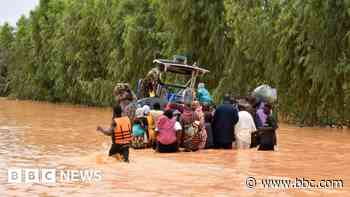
<point x="76" y="51"/>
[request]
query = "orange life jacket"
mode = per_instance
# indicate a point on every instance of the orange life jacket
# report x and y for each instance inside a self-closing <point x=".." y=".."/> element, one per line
<point x="122" y="132"/>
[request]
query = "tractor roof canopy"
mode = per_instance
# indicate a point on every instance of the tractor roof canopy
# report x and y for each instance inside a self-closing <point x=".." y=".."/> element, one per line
<point x="176" y="67"/>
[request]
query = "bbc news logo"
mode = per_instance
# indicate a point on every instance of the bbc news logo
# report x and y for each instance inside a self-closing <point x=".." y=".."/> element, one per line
<point x="52" y="176"/>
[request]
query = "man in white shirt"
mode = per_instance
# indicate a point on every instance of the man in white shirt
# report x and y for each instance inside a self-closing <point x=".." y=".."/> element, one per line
<point x="244" y="129"/>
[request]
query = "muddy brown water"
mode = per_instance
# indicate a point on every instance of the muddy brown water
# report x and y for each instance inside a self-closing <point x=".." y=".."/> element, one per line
<point x="43" y="135"/>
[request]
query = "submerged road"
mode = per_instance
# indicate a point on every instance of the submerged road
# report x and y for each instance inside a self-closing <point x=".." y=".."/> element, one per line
<point x="63" y="137"/>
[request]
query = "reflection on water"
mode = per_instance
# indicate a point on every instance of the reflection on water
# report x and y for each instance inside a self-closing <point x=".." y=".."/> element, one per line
<point x="42" y="135"/>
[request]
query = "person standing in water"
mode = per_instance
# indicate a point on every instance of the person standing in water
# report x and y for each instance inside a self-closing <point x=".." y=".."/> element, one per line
<point x="267" y="133"/>
<point x="224" y="121"/>
<point x="156" y="112"/>
<point x="166" y="138"/>
<point x="208" y="120"/>
<point x="120" y="132"/>
<point x="139" y="130"/>
<point x="190" y="138"/>
<point x="198" y="109"/>
<point x="244" y="128"/>
<point x="151" y="125"/>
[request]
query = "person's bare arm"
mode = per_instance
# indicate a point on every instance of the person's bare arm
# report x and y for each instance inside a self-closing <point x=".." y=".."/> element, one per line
<point x="107" y="131"/>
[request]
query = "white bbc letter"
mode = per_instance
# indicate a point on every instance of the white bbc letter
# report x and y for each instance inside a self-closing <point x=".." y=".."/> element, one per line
<point x="31" y="176"/>
<point x="14" y="175"/>
<point x="48" y="176"/>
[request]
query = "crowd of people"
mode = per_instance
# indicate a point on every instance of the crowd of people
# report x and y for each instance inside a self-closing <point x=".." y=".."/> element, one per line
<point x="240" y="123"/>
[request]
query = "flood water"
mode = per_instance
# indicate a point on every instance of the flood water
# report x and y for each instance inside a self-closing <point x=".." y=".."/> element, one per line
<point x="43" y="135"/>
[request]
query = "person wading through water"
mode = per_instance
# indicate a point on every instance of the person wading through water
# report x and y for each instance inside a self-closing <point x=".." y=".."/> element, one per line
<point x="166" y="138"/>
<point x="267" y="133"/>
<point x="244" y="128"/>
<point x="224" y="121"/>
<point x="190" y="123"/>
<point x="120" y="132"/>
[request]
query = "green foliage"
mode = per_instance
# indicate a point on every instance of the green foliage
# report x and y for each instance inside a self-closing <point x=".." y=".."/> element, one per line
<point x="6" y="39"/>
<point x="300" y="47"/>
<point x="76" y="51"/>
<point x="197" y="28"/>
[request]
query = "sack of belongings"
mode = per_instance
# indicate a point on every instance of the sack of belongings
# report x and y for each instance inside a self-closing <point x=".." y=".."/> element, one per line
<point x="265" y="93"/>
<point x="126" y="98"/>
<point x="122" y="91"/>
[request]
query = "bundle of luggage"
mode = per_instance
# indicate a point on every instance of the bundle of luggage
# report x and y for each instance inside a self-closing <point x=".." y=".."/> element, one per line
<point x="265" y="93"/>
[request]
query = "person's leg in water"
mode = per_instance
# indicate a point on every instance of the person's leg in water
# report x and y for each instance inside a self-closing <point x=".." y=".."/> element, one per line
<point x="226" y="146"/>
<point x="223" y="146"/>
<point x="171" y="148"/>
<point x="267" y="139"/>
<point x="125" y="153"/>
<point x="120" y="152"/>
<point x="268" y="147"/>
<point x="114" y="151"/>
<point x="154" y="145"/>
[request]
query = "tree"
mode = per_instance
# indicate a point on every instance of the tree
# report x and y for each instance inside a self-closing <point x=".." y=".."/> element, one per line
<point x="198" y="29"/>
<point x="6" y="39"/>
